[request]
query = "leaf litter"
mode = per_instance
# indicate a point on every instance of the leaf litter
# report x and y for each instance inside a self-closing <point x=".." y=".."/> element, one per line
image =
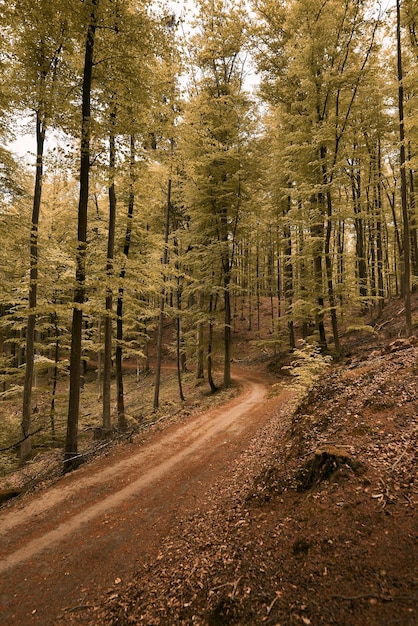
<point x="339" y="550"/>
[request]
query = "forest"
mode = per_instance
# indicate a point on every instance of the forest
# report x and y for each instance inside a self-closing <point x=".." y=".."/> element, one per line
<point x="192" y="165"/>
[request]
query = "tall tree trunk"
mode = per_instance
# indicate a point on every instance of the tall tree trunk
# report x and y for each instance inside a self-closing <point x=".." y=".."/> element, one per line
<point x="379" y="238"/>
<point x="178" y="322"/>
<point x="226" y="272"/>
<point x="227" y="333"/>
<point x="249" y="289"/>
<point x="54" y="375"/>
<point x="257" y="282"/>
<point x="71" y="444"/>
<point x="162" y="302"/>
<point x="26" y="445"/>
<point x="288" y="279"/>
<point x="330" y="281"/>
<point x="413" y="219"/>
<point x="271" y="281"/>
<point x="108" y="334"/>
<point x="119" y="309"/>
<point x="317" y="233"/>
<point x="211" y="382"/>
<point x="340" y="248"/>
<point x="178" y="350"/>
<point x="200" y="352"/>
<point x="406" y="261"/>
<point x="361" y="264"/>
<point x="328" y="257"/>
<point x="99" y="359"/>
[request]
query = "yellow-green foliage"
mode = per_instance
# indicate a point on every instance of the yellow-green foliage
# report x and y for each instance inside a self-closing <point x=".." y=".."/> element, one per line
<point x="307" y="367"/>
<point x="9" y="433"/>
<point x="362" y="327"/>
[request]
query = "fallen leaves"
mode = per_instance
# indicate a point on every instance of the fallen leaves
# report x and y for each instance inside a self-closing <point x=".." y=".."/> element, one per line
<point x="261" y="553"/>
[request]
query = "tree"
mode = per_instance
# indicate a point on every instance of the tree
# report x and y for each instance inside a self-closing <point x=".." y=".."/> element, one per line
<point x="109" y="275"/>
<point x="40" y="35"/>
<point x="129" y="88"/>
<point x="217" y="126"/>
<point x="71" y="445"/>
<point x="405" y="215"/>
<point x="119" y="307"/>
<point x="315" y="80"/>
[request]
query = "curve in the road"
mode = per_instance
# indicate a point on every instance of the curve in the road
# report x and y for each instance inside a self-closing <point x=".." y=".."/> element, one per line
<point x="186" y="441"/>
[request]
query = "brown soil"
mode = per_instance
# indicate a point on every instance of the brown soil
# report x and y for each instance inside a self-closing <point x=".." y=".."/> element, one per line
<point x="256" y="513"/>
<point x="63" y="547"/>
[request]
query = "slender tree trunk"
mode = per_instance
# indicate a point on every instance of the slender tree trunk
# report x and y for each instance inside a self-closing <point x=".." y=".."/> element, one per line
<point x="178" y="356"/>
<point x="280" y="263"/>
<point x="288" y="280"/>
<point x="200" y="352"/>
<point x="108" y="331"/>
<point x="99" y="358"/>
<point x="226" y="261"/>
<point x="257" y="283"/>
<point x="243" y="281"/>
<point x="317" y="233"/>
<point x="26" y="445"/>
<point x="119" y="310"/>
<point x="406" y="234"/>
<point x="178" y="347"/>
<point x="178" y="323"/>
<point x="413" y="220"/>
<point x="391" y="199"/>
<point x="249" y="290"/>
<point x="379" y="238"/>
<point x="340" y="248"/>
<point x="327" y="252"/>
<point x="211" y="382"/>
<point x="372" y="253"/>
<point x="162" y="302"/>
<point x="360" y="237"/>
<point x="329" y="271"/>
<point x="71" y="444"/>
<point x="55" y="375"/>
<point x="270" y="266"/>
<point x="227" y="333"/>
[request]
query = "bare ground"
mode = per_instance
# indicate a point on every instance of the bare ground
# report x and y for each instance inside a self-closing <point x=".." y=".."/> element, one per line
<point x="62" y="547"/>
<point x="256" y="513"/>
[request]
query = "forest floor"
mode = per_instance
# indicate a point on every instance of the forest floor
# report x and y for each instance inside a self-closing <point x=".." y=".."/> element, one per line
<point x="263" y="511"/>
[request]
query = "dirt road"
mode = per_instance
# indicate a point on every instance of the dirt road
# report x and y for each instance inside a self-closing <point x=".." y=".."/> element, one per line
<point x="62" y="548"/>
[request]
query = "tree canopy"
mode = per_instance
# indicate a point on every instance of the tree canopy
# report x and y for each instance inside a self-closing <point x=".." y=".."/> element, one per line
<point x="207" y="162"/>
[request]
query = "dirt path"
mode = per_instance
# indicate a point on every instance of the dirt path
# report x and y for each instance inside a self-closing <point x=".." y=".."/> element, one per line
<point x="62" y="548"/>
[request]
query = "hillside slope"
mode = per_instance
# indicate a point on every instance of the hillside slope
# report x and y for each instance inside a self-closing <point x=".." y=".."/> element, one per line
<point x="316" y="523"/>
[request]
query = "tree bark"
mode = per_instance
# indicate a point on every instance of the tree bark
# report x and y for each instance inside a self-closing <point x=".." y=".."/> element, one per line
<point x="211" y="382"/>
<point x="327" y="252"/>
<point x="288" y="279"/>
<point x="119" y="308"/>
<point x="317" y="233"/>
<point x="108" y="334"/>
<point x="227" y="333"/>
<point x="162" y="302"/>
<point x="26" y="445"/>
<point x="379" y="238"/>
<point x="54" y="375"/>
<point x="71" y="443"/>
<point x="413" y="220"/>
<point x="178" y="322"/>
<point x="200" y="351"/>
<point x="360" y="238"/>
<point x="406" y="261"/>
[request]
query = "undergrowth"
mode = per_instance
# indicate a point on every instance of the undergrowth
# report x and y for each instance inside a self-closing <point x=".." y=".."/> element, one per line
<point x="307" y="367"/>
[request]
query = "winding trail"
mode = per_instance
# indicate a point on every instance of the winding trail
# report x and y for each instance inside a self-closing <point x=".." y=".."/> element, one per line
<point x="62" y="548"/>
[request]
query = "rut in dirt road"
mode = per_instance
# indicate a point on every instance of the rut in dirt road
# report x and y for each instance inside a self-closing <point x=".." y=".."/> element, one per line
<point x="62" y="547"/>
